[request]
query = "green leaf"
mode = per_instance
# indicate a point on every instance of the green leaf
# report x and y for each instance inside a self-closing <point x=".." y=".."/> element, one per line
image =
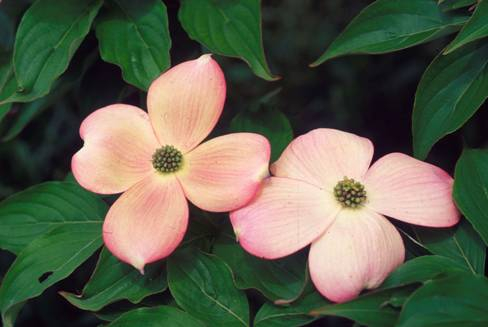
<point x="391" y="25"/>
<point x="114" y="280"/>
<point x="447" y="5"/>
<point x="49" y="34"/>
<point x="6" y="32"/>
<point x="4" y="109"/>
<point x="271" y="123"/>
<point x="276" y="279"/>
<point x="475" y="29"/>
<point x="460" y="244"/>
<point x="451" y="90"/>
<point x="421" y="269"/>
<point x="375" y="308"/>
<point x="134" y="35"/>
<point x="229" y="28"/>
<point x="202" y="285"/>
<point x="33" y="212"/>
<point x="155" y="317"/>
<point x="458" y="300"/>
<point x="471" y="189"/>
<point x="294" y="315"/>
<point x="45" y="261"/>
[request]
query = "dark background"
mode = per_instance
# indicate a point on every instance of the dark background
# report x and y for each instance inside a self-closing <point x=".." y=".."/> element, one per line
<point x="368" y="95"/>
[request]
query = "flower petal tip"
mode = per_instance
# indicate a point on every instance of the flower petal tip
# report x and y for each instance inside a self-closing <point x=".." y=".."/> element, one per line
<point x="205" y="58"/>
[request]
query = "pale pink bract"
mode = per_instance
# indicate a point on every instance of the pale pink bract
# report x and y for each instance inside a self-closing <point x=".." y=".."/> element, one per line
<point x="351" y="248"/>
<point x="150" y="218"/>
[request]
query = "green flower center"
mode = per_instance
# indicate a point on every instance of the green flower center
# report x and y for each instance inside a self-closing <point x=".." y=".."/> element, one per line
<point x="167" y="159"/>
<point x="349" y="193"/>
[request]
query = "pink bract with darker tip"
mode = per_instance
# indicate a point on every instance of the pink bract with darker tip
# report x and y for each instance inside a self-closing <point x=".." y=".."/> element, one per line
<point x="150" y="218"/>
<point x="353" y="247"/>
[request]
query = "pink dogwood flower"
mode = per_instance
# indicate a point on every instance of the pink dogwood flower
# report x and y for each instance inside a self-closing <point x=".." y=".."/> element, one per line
<point x="157" y="160"/>
<point x="325" y="193"/>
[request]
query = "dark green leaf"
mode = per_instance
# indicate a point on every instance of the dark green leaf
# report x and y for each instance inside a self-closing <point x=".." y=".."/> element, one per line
<point x="4" y="109"/>
<point x="391" y="25"/>
<point x="28" y="214"/>
<point x="276" y="279"/>
<point x="451" y="90"/>
<point x="294" y="315"/>
<point x="202" y="285"/>
<point x="230" y="28"/>
<point x="460" y="243"/>
<point x="114" y="280"/>
<point x="45" y="261"/>
<point x="48" y="36"/>
<point x="447" y="5"/>
<point x="370" y="309"/>
<point x="471" y="189"/>
<point x="476" y="28"/>
<point x="421" y="269"/>
<point x="6" y="32"/>
<point x="156" y="317"/>
<point x="458" y="300"/>
<point x="271" y="123"/>
<point x="134" y="35"/>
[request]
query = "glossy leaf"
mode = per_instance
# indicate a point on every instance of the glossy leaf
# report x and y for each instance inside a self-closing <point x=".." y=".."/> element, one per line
<point x="471" y="189"/>
<point x="155" y="317"/>
<point x="229" y="28"/>
<point x="455" y="4"/>
<point x="391" y="25"/>
<point x="371" y="309"/>
<point x="47" y="260"/>
<point x="33" y="212"/>
<point x="134" y="35"/>
<point x="271" y="123"/>
<point x="294" y="315"/>
<point x="280" y="280"/>
<point x="458" y="300"/>
<point x="460" y="244"/>
<point x="203" y="286"/>
<point x="449" y="93"/>
<point x="420" y="270"/>
<point x="476" y="28"/>
<point x="44" y="45"/>
<point x="114" y="280"/>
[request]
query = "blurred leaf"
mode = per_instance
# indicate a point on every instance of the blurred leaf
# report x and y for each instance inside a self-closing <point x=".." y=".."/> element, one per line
<point x="114" y="280"/>
<point x="391" y="25"/>
<point x="6" y="32"/>
<point x="471" y="189"/>
<point x="281" y="279"/>
<point x="370" y="309"/>
<point x="294" y="315"/>
<point x="134" y="35"/>
<point x="460" y="243"/>
<point x="202" y="285"/>
<point x="421" y="269"/>
<point x="447" y="5"/>
<point x="48" y="36"/>
<point x="458" y="300"/>
<point x="230" y="28"/>
<point x="45" y="261"/>
<point x="476" y="28"/>
<point x="4" y="109"/>
<point x="33" y="212"/>
<point x="452" y="88"/>
<point x="269" y="122"/>
<point x="155" y="317"/>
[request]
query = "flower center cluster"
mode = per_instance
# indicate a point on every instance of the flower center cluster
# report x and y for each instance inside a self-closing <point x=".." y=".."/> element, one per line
<point x="167" y="159"/>
<point x="349" y="193"/>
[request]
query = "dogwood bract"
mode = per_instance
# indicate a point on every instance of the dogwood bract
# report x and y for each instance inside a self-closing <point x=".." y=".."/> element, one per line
<point x="325" y="193"/>
<point x="156" y="160"/>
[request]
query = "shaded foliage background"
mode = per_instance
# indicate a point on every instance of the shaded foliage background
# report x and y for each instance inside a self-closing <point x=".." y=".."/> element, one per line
<point x="368" y="95"/>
